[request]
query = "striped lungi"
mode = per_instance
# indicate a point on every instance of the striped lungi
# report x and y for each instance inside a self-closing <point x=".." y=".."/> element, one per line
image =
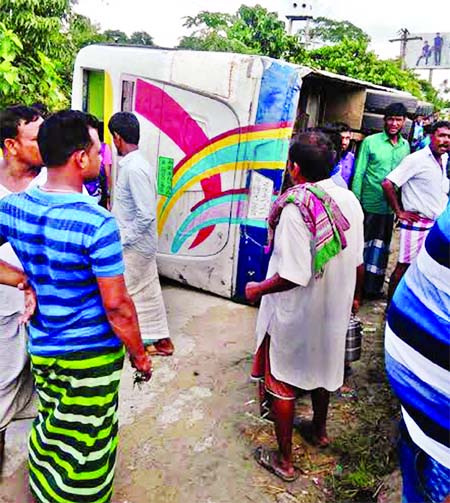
<point x="412" y="237"/>
<point x="377" y="242"/>
<point x="73" y="442"/>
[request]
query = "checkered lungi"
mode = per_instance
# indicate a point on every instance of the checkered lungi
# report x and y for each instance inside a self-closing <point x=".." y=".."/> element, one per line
<point x="412" y="237"/>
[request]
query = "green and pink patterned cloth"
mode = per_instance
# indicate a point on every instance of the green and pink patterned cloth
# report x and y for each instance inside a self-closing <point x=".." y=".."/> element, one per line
<point x="322" y="216"/>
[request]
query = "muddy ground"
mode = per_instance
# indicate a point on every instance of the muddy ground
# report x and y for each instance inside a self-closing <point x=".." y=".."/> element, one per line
<point x="188" y="435"/>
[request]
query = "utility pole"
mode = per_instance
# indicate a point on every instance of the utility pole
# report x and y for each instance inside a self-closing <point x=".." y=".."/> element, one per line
<point x="404" y="39"/>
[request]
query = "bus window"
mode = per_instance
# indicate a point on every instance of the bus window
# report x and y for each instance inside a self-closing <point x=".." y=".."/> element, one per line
<point x="93" y="93"/>
<point x="127" y="96"/>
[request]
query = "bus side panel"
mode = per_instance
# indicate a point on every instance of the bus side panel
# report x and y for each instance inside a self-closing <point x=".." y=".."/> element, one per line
<point x="277" y="104"/>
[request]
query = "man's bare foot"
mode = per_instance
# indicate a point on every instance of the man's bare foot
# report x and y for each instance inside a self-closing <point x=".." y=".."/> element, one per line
<point x="162" y="347"/>
<point x="312" y="434"/>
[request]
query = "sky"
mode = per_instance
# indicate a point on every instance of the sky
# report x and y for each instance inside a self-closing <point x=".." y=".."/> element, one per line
<point x="382" y="19"/>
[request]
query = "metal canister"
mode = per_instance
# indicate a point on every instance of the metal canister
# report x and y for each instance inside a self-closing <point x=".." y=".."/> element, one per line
<point x="353" y="339"/>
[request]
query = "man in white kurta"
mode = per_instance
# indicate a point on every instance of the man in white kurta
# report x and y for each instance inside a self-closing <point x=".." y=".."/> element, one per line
<point x="303" y="317"/>
<point x="422" y="178"/>
<point x="307" y="324"/>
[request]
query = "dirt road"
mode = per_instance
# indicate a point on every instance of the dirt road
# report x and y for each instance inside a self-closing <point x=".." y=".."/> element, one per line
<point x="188" y="435"/>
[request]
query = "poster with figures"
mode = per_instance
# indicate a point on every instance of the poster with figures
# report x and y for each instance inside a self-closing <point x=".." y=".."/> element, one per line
<point x="429" y="51"/>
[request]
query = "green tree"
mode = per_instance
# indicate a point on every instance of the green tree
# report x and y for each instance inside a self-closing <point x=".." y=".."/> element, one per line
<point x="325" y="30"/>
<point x="83" y="32"/>
<point x="116" y="36"/>
<point x="10" y="48"/>
<point x="141" y="38"/>
<point x="34" y="43"/>
<point x="252" y="30"/>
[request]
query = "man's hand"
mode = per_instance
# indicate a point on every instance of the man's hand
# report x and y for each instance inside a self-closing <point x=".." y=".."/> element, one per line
<point x="253" y="292"/>
<point x="143" y="364"/>
<point x="30" y="301"/>
<point x="408" y="216"/>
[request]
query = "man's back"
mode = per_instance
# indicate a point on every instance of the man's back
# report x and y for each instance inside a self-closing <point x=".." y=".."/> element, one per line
<point x="64" y="242"/>
<point x="135" y="204"/>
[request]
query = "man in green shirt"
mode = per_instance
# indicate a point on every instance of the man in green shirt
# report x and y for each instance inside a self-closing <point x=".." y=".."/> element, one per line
<point x="378" y="156"/>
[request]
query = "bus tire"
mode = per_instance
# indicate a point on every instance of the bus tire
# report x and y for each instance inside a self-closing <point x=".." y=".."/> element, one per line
<point x="377" y="101"/>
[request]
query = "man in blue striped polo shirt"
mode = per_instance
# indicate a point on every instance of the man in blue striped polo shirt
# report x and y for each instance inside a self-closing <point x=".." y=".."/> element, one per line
<point x="418" y="367"/>
<point x="70" y="250"/>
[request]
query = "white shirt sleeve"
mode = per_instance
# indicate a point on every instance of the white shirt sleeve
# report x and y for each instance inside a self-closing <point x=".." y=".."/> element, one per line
<point x="293" y="247"/>
<point x="404" y="171"/>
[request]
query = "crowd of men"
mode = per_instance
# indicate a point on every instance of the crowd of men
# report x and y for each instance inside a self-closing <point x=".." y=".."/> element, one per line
<point x="85" y="281"/>
<point x="330" y="239"/>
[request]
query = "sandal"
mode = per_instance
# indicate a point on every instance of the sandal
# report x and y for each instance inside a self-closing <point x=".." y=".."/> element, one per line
<point x="307" y="431"/>
<point x="267" y="459"/>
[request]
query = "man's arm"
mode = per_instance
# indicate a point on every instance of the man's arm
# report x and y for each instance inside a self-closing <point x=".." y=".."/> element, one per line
<point x="122" y="316"/>
<point x="393" y="199"/>
<point x="144" y="197"/>
<point x="292" y="243"/>
<point x="105" y="253"/>
<point x="360" y="168"/>
<point x="13" y="276"/>
<point x="254" y="291"/>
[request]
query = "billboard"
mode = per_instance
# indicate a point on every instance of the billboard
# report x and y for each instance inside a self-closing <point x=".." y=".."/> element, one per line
<point x="430" y="51"/>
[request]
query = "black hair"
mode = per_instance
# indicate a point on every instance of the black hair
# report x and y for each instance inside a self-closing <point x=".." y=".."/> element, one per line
<point x="92" y="121"/>
<point x="101" y="131"/>
<point x="10" y="119"/>
<point x="314" y="152"/>
<point x="342" y="127"/>
<point x="62" y="134"/>
<point x="126" y="125"/>
<point x="438" y="124"/>
<point x="395" y="110"/>
<point x="334" y="135"/>
<point x="41" y="108"/>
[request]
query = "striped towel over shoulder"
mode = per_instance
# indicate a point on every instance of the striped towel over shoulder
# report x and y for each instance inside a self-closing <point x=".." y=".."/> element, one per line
<point x="322" y="216"/>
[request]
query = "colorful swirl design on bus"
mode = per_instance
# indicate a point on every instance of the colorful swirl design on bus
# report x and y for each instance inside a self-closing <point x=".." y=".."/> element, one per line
<point x="260" y="147"/>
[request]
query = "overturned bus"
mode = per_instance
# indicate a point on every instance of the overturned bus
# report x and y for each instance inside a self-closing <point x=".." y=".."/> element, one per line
<point x="216" y="127"/>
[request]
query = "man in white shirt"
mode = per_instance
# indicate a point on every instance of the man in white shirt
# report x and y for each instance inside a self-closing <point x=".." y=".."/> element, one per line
<point x="134" y="207"/>
<point x="302" y="324"/>
<point x="424" y="185"/>
<point x="19" y="169"/>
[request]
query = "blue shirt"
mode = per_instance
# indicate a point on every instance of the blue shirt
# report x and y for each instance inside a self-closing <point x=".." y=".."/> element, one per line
<point x="64" y="242"/>
<point x="418" y="344"/>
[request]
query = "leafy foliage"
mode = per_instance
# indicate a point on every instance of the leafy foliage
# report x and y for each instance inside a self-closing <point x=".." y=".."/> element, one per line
<point x="254" y="30"/>
<point x="141" y="38"/>
<point x="33" y="49"/>
<point x="119" y="37"/>
<point x="116" y="36"/>
<point x="327" y="30"/>
<point x="39" y="40"/>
